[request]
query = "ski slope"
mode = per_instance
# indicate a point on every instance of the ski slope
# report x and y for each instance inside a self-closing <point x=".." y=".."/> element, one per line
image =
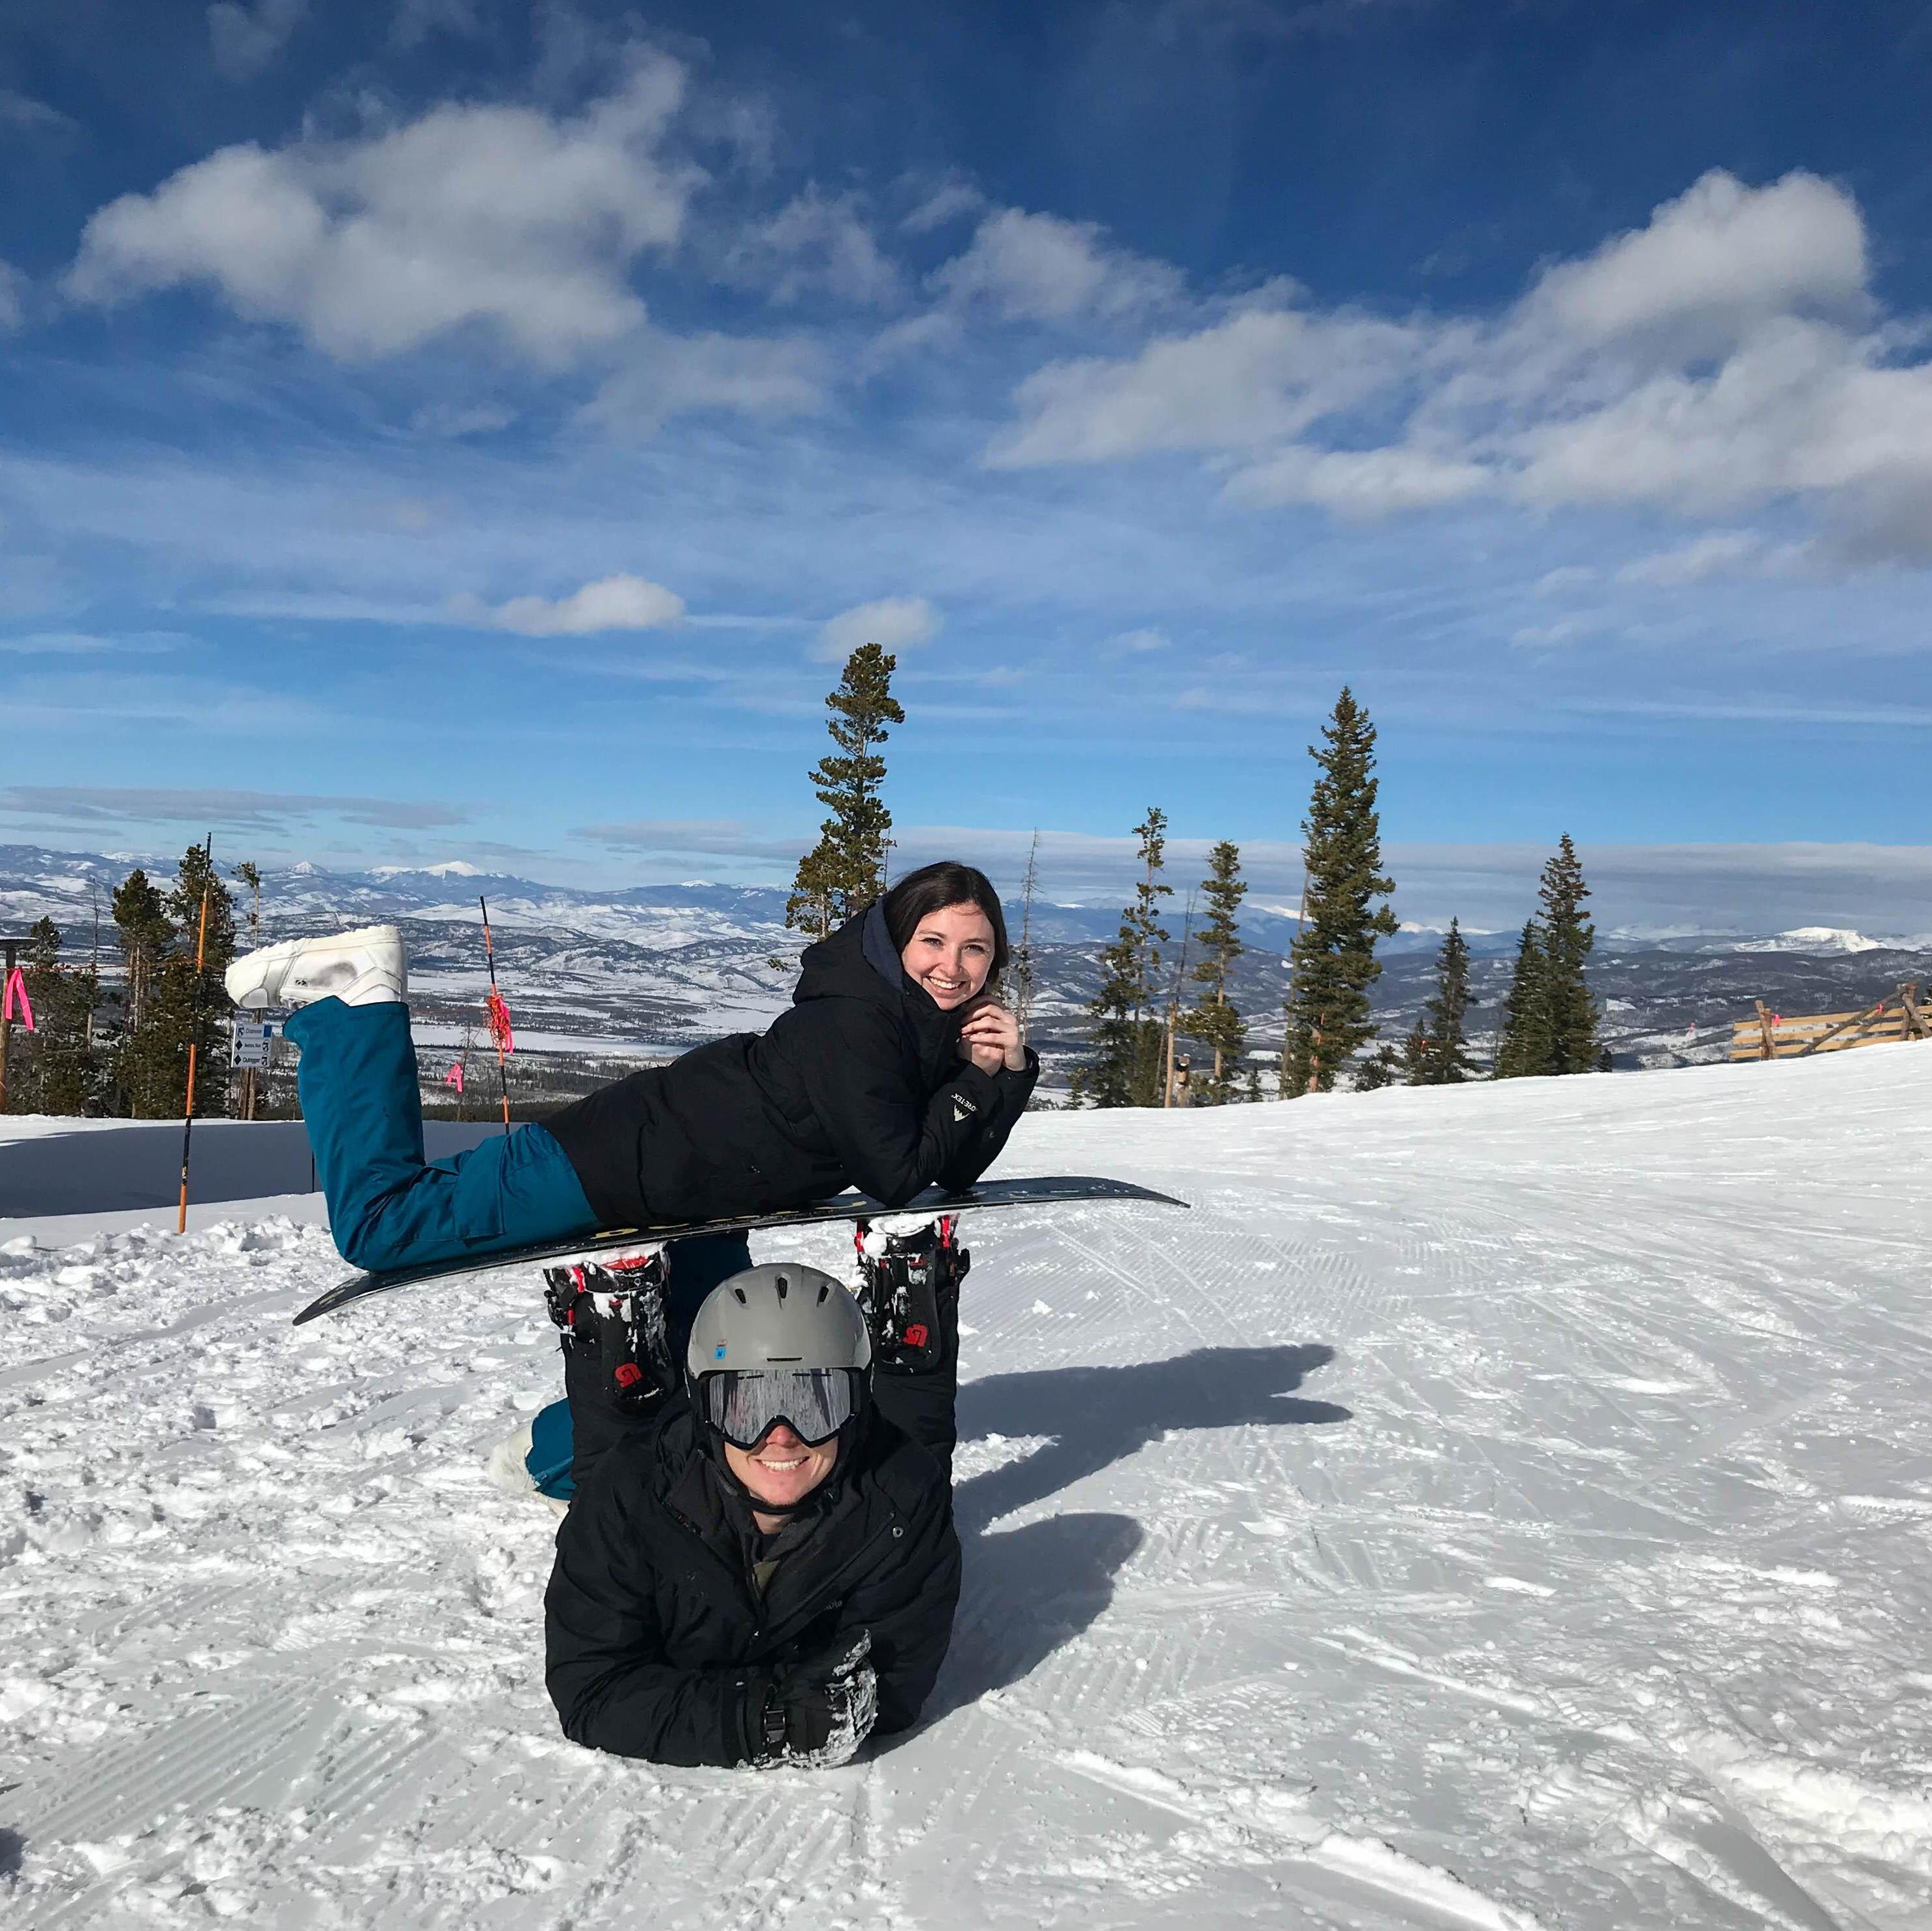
<point x="1492" y="1508"/>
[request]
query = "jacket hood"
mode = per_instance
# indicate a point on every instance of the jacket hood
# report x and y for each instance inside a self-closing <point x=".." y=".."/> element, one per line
<point x="859" y="961"/>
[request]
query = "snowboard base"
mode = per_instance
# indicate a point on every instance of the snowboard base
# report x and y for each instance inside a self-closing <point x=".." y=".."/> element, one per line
<point x="1062" y="1190"/>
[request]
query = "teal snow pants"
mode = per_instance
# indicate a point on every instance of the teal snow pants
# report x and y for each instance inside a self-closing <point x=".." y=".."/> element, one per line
<point x="388" y="1207"/>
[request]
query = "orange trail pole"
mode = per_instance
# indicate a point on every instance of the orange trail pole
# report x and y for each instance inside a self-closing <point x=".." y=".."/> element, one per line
<point x="194" y="1030"/>
<point x="499" y="1013"/>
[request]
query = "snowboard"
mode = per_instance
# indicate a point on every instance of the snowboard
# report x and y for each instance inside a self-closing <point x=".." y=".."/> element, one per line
<point x="1062" y="1190"/>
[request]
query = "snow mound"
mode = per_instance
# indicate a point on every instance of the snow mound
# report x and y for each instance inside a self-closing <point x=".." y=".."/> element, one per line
<point x="1497" y="1508"/>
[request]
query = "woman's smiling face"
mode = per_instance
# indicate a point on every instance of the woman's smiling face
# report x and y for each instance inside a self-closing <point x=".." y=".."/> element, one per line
<point x="949" y="954"/>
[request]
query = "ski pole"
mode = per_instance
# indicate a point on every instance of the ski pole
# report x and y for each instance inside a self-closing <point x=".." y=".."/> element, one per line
<point x="194" y="1027"/>
<point x="499" y="1013"/>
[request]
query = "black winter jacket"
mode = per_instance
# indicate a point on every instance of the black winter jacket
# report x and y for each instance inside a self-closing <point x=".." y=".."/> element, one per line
<point x="659" y="1645"/>
<point x="858" y="1084"/>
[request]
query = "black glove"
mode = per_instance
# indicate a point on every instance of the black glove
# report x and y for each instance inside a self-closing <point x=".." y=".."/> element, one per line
<point x="818" y="1712"/>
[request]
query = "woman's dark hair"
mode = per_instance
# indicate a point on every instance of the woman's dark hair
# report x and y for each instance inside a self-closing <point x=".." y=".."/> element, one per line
<point x="932" y="887"/>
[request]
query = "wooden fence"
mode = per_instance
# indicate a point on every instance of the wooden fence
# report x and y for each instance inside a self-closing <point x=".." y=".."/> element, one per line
<point x="1777" y="1036"/>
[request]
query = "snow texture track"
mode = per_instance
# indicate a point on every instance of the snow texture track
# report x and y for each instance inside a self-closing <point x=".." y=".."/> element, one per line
<point x="1501" y="1508"/>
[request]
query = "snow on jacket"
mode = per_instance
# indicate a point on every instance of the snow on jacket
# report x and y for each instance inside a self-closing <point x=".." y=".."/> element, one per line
<point x="860" y="1084"/>
<point x="659" y="1643"/>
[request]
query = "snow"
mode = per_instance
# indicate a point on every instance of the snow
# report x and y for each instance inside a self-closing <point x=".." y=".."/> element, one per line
<point x="1501" y="1507"/>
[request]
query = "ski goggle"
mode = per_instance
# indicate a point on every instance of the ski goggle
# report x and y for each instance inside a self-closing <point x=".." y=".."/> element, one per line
<point x="744" y="1406"/>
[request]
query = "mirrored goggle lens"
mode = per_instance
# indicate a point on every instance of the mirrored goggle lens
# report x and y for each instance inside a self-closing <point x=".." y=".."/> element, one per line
<point x="744" y="1407"/>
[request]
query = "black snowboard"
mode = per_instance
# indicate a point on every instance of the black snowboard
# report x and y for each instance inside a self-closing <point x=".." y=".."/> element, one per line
<point x="1060" y="1191"/>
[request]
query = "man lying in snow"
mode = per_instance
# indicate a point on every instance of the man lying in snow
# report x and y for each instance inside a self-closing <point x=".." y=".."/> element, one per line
<point x="759" y="1568"/>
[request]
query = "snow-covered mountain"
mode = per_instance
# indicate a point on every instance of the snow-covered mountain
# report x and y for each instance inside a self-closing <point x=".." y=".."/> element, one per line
<point x="1492" y="1508"/>
<point x="645" y="970"/>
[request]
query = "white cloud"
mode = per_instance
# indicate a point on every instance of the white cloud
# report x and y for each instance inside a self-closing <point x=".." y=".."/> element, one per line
<point x="1719" y="552"/>
<point x="680" y="375"/>
<point x="951" y="201"/>
<point x="1260" y="377"/>
<point x="13" y="289"/>
<point x="893" y="623"/>
<point x="503" y="216"/>
<point x="816" y="241"/>
<point x="1727" y="354"/>
<point x="415" y="20"/>
<point x="1360" y="482"/>
<point x="1712" y="265"/>
<point x="21" y="114"/>
<point x="105" y="804"/>
<point x="244" y="39"/>
<point x="611" y="603"/>
<point x="1038" y="268"/>
<point x="1138" y="642"/>
<point x="84" y="643"/>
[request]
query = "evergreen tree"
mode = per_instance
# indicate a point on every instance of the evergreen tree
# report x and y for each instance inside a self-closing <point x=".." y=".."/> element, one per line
<point x="1570" y="1012"/>
<point x="1024" y="962"/>
<point x="1437" y="1053"/>
<point x="1375" y="1070"/>
<point x="59" y="1074"/>
<point x="1523" y="1042"/>
<point x="1549" y="1021"/>
<point x="1251" y="1092"/>
<point x="846" y="870"/>
<point x="1126" y="1068"/>
<point x="182" y="1004"/>
<point x="1214" y="1020"/>
<point x="141" y="923"/>
<point x="1334" y="953"/>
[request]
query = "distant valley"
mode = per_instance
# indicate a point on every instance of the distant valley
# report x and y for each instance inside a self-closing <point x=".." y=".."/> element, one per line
<point x="642" y="972"/>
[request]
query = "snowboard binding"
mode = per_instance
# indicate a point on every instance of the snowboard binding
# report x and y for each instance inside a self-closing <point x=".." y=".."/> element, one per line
<point x="614" y="1311"/>
<point x="909" y="1288"/>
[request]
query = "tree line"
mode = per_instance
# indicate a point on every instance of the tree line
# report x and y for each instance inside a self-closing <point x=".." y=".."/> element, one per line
<point x="121" y="1052"/>
<point x="1154" y="998"/>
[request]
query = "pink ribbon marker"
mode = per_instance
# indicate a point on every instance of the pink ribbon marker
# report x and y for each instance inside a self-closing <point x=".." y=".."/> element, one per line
<point x="455" y="1076"/>
<point x="16" y="988"/>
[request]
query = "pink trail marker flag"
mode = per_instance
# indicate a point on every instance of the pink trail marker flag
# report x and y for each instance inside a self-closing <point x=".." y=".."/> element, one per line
<point x="455" y="1076"/>
<point x="16" y="989"/>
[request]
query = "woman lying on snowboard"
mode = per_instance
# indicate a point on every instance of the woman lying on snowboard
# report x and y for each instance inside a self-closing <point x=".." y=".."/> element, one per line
<point x="759" y="1567"/>
<point x="893" y="1070"/>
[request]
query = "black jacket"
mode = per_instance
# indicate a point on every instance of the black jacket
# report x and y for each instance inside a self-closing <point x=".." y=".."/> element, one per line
<point x="858" y="1084"/>
<point x="659" y="1644"/>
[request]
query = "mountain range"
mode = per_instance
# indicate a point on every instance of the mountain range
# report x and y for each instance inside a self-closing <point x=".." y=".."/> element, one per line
<point x="639" y="972"/>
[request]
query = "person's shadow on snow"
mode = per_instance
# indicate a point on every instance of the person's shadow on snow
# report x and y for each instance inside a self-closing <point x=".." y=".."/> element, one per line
<point x="1029" y="1590"/>
<point x="1098" y="1415"/>
<point x="13" y="1851"/>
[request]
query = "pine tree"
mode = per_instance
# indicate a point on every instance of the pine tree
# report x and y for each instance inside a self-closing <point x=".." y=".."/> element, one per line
<point x="1375" y="1070"/>
<point x="1549" y="1021"/>
<point x="1437" y="1053"/>
<point x="1570" y="1013"/>
<point x="141" y="921"/>
<point x="59" y="1076"/>
<point x="182" y="1004"/>
<point x="1523" y="1042"/>
<point x="846" y="870"/>
<point x="1214" y="1019"/>
<point x="1024" y="962"/>
<point x="1125" y="1069"/>
<point x="1334" y="953"/>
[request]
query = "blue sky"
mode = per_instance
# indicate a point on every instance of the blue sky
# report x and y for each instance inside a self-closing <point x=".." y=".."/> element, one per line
<point x="438" y="429"/>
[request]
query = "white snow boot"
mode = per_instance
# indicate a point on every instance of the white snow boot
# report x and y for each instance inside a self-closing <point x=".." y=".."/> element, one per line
<point x="364" y="967"/>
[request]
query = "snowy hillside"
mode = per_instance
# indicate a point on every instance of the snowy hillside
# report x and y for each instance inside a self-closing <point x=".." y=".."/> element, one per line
<point x="1498" y="1507"/>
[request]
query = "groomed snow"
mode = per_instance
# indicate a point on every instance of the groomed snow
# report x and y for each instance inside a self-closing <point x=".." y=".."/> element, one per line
<point x="1489" y="1508"/>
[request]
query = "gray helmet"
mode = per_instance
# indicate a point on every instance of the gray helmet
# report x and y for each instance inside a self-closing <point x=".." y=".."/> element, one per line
<point x="782" y="1315"/>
